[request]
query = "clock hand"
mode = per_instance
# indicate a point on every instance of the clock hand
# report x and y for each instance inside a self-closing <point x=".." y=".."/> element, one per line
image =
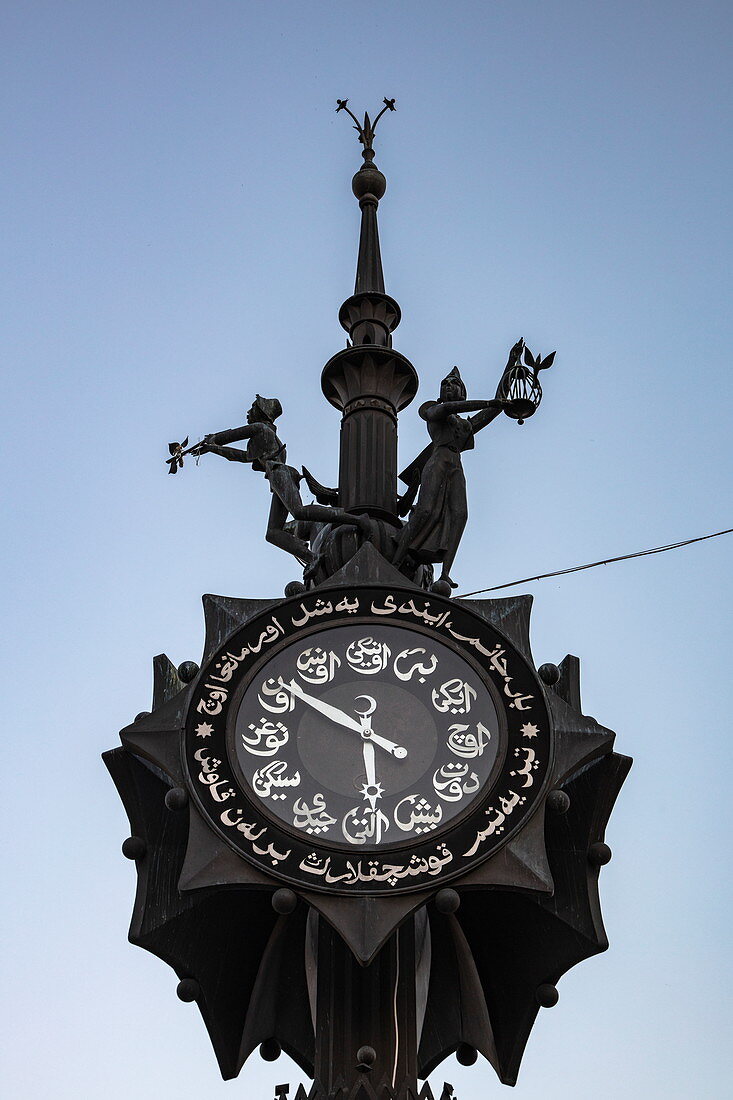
<point x="343" y="719"/>
<point x="371" y="789"/>
<point x="333" y="713"/>
<point x="369" y="763"/>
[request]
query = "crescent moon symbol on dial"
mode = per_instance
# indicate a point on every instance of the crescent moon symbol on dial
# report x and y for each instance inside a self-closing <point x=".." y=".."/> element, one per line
<point x="372" y="708"/>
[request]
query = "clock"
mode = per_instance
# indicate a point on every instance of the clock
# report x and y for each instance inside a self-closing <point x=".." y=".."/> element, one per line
<point x="367" y="740"/>
<point x="366" y="734"/>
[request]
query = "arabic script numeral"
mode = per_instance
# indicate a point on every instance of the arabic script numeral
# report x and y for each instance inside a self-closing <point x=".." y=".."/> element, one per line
<point x="414" y="814"/>
<point x="453" y="697"/>
<point x="368" y="656"/>
<point x="273" y="698"/>
<point x="466" y="744"/>
<point x="266" y="738"/>
<point x="316" y="666"/>
<point x="414" y="662"/>
<point x="314" y="819"/>
<point x="364" y="824"/>
<point x="453" y="781"/>
<point x="274" y="775"/>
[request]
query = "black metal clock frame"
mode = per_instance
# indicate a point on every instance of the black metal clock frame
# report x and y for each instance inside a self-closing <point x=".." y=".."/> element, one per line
<point x="300" y="859"/>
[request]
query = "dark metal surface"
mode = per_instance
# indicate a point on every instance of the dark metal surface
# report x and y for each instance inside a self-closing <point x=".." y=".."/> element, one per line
<point x="314" y="861"/>
<point x="368" y="381"/>
<point x="369" y="954"/>
<point x="439" y="514"/>
<point x="364" y="1089"/>
<point x="358" y="1006"/>
<point x="480" y="995"/>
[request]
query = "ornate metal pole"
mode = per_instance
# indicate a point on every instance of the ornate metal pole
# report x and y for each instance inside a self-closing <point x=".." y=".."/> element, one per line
<point x="369" y="381"/>
<point x="366" y="1017"/>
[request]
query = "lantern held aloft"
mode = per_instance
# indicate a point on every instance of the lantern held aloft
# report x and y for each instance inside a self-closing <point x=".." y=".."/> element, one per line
<point x="520" y="384"/>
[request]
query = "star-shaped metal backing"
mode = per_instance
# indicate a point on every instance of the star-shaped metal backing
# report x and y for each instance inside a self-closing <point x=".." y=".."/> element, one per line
<point x="528" y="913"/>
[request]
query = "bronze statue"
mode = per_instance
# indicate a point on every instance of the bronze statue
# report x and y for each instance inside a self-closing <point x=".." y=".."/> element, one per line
<point x="434" y="528"/>
<point x="267" y="453"/>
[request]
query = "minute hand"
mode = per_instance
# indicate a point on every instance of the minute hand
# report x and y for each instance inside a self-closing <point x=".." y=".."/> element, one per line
<point x="343" y="719"/>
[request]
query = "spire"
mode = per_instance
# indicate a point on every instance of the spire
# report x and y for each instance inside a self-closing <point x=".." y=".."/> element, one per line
<point x="369" y="186"/>
<point x="367" y="380"/>
<point x="369" y="275"/>
<point x="370" y="315"/>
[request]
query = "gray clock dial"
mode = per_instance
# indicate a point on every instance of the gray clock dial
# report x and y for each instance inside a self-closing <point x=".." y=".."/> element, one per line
<point x="366" y="735"/>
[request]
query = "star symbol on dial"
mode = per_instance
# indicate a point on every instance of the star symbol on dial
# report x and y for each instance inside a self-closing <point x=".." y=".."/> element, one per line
<point x="204" y="729"/>
<point x="528" y="730"/>
<point x="372" y="790"/>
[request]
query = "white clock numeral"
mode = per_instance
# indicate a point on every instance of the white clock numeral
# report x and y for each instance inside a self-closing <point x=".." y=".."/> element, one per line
<point x="316" y="666"/>
<point x="364" y="824"/>
<point x="267" y="738"/>
<point x="274" y="775"/>
<point x="276" y="700"/>
<point x="454" y="697"/>
<point x="314" y="818"/>
<point x="405" y="669"/>
<point x="415" y="814"/>
<point x="368" y="656"/>
<point x="468" y="745"/>
<point x="451" y="782"/>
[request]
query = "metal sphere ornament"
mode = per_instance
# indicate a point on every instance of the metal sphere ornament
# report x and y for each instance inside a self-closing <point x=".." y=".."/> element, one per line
<point x="547" y="995"/>
<point x="176" y="799"/>
<point x="365" y="1058"/>
<point x="134" y="847"/>
<point x="447" y="901"/>
<point x="520" y="385"/>
<point x="549" y="674"/>
<point x="270" y="1050"/>
<point x="284" y="901"/>
<point x="188" y="671"/>
<point x="188" y="990"/>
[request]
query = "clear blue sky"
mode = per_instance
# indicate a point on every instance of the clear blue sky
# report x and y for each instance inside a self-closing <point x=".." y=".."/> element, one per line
<point x="179" y="232"/>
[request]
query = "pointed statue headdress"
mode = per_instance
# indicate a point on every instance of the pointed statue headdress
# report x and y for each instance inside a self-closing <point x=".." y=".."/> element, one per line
<point x="269" y="407"/>
<point x="455" y="376"/>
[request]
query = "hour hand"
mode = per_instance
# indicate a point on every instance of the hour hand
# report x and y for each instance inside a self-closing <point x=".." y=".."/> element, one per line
<point x="371" y="789"/>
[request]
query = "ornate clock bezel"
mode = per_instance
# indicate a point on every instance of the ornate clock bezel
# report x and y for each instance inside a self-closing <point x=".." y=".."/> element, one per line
<point x="438" y="856"/>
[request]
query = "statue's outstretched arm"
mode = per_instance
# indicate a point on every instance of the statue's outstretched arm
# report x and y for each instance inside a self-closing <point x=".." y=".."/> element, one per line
<point x="213" y="443"/>
<point x="487" y="414"/>
<point x="233" y="435"/>
<point x="233" y="454"/>
<point x="442" y="409"/>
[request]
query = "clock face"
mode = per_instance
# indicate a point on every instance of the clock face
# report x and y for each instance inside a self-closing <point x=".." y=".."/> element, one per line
<point x="366" y="734"/>
<point x="367" y="740"/>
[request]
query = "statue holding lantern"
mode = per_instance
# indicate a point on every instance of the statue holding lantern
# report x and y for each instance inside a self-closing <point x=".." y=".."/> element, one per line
<point x="438" y="516"/>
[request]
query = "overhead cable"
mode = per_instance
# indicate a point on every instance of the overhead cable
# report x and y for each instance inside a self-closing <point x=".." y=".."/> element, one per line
<point x="593" y="564"/>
